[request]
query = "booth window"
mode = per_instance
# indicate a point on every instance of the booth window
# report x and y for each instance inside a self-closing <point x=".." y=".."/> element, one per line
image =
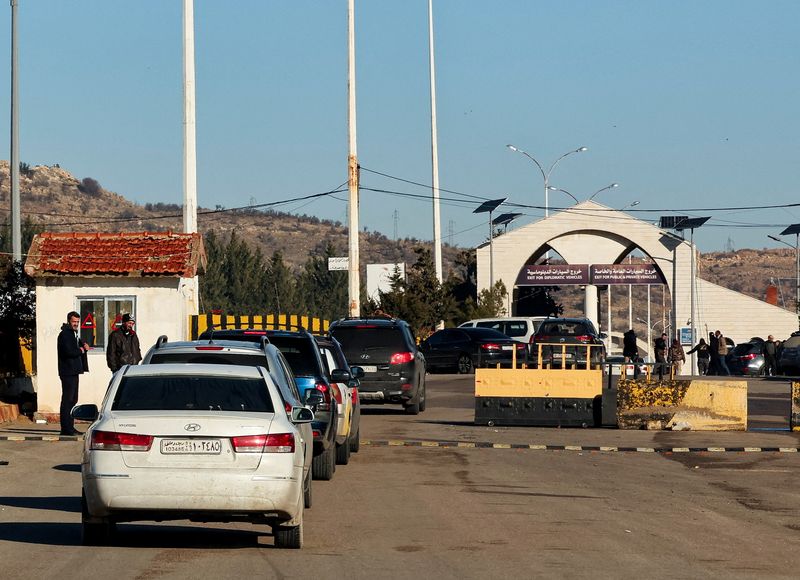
<point x="102" y="315"/>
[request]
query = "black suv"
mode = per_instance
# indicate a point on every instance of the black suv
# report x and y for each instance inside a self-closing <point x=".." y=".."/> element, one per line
<point x="394" y="369"/>
<point x="301" y="352"/>
<point x="577" y="335"/>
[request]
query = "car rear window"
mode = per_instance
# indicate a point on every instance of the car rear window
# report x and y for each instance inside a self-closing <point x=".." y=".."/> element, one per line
<point x="300" y="353"/>
<point x="211" y="357"/>
<point x="356" y="340"/>
<point x="564" y="328"/>
<point x="792" y="342"/>
<point x="192" y="393"/>
<point x="485" y="333"/>
<point x="746" y="348"/>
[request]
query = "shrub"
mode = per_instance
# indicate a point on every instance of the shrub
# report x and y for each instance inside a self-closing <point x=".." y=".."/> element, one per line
<point x="90" y="187"/>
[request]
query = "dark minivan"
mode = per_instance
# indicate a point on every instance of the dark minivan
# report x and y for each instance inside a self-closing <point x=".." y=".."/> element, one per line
<point x="394" y="369"/>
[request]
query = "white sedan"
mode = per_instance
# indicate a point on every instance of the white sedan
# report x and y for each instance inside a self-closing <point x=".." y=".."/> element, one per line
<point x="193" y="441"/>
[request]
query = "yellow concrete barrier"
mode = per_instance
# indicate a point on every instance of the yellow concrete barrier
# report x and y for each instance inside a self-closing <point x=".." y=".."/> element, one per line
<point x="794" y="418"/>
<point x="538" y="397"/>
<point x="696" y="405"/>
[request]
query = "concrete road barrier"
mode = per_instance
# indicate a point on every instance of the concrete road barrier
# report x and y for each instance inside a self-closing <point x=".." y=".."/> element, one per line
<point x="794" y="418"/>
<point x="696" y="405"/>
<point x="538" y="397"/>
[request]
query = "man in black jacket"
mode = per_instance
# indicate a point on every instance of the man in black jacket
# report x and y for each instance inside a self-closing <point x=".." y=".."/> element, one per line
<point x="72" y="362"/>
<point x="123" y="345"/>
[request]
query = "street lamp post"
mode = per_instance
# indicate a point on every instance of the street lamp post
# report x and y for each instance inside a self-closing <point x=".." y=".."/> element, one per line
<point x="546" y="173"/>
<point x="794" y="229"/>
<point x="691" y="224"/>
<point x="610" y="186"/>
<point x="551" y="188"/>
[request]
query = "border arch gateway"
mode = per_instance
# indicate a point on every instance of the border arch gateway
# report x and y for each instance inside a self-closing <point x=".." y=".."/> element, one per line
<point x="591" y="233"/>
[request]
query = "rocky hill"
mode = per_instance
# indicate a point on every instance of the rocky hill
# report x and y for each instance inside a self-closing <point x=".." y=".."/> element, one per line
<point x="60" y="201"/>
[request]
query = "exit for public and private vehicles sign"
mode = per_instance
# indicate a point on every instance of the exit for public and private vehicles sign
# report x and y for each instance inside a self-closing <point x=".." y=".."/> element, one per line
<point x="600" y="274"/>
<point x="339" y="263"/>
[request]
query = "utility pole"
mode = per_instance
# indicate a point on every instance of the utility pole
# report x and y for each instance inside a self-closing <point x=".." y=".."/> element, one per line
<point x="353" y="280"/>
<point x="16" y="229"/>
<point x="437" y="226"/>
<point x="395" y="217"/>
<point x="189" y="131"/>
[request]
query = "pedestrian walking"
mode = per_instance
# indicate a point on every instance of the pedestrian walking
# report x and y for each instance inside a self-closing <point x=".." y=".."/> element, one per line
<point x="722" y="352"/>
<point x="713" y="347"/>
<point x="770" y="357"/>
<point x="72" y="362"/>
<point x="676" y="357"/>
<point x="123" y="345"/>
<point x="630" y="351"/>
<point x="661" y="346"/>
<point x="703" y="356"/>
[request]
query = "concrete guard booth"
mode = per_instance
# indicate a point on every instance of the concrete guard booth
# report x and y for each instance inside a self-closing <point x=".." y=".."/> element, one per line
<point x="102" y="276"/>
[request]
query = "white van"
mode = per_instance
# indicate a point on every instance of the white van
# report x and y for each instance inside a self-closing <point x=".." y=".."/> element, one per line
<point x="520" y="328"/>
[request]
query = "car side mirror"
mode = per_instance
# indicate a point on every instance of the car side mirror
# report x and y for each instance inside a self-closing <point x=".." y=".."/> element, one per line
<point x="302" y="415"/>
<point x="357" y="372"/>
<point x="340" y="376"/>
<point x="313" y="398"/>
<point x="602" y="335"/>
<point x="88" y="412"/>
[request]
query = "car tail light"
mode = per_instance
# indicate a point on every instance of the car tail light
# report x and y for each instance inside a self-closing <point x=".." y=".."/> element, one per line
<point x="208" y="348"/>
<point x="279" y="443"/>
<point x="111" y="441"/>
<point x="490" y="346"/>
<point x="287" y="407"/>
<point x="583" y="338"/>
<point x="750" y="356"/>
<point x="337" y="393"/>
<point x="406" y="387"/>
<point x="541" y="338"/>
<point x="256" y="332"/>
<point x="316" y="433"/>
<point x="325" y="405"/>
<point x="275" y="443"/>
<point x="399" y="358"/>
<point x="354" y="396"/>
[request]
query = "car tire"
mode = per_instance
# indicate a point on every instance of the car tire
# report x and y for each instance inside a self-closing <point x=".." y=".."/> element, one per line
<point x="355" y="441"/>
<point x="96" y="533"/>
<point x="464" y="365"/>
<point x="343" y="452"/>
<point x="323" y="465"/>
<point x="423" y="399"/>
<point x="308" y="499"/>
<point x="289" y="537"/>
<point x="412" y="408"/>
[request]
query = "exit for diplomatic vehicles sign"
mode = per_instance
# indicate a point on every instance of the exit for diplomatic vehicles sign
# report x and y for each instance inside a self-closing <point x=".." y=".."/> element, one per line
<point x="600" y="274"/>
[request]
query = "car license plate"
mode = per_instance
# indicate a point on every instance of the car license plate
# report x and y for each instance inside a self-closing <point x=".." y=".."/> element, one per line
<point x="507" y="347"/>
<point x="191" y="447"/>
<point x="370" y="369"/>
<point x="558" y="355"/>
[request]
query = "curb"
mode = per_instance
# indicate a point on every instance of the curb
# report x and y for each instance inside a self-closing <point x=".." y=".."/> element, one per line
<point x="489" y="445"/>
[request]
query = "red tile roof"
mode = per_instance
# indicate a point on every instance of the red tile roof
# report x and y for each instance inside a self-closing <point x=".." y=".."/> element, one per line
<point x="117" y="254"/>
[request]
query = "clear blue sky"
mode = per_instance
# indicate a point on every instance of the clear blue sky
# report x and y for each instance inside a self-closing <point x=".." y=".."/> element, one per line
<point x="686" y="104"/>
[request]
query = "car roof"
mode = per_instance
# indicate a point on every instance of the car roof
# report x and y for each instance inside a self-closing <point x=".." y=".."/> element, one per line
<point x="382" y="321"/>
<point x="192" y="369"/>
<point x="507" y="318"/>
<point x="191" y="344"/>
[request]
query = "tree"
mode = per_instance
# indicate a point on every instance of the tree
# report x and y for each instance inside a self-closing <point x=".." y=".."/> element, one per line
<point x="17" y="315"/>
<point x="323" y="292"/>
<point x="279" y="287"/>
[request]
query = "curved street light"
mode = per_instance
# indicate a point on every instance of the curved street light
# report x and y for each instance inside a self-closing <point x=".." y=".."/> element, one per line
<point x="611" y="186"/>
<point x="631" y="204"/>
<point x="546" y="173"/>
<point x="551" y="188"/>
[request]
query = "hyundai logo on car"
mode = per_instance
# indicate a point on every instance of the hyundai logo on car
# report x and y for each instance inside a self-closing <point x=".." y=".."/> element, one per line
<point x="192" y="427"/>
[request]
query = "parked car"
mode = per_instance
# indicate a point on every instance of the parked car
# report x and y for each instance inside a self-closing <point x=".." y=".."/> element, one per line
<point x="789" y="356"/>
<point x="576" y="334"/>
<point x="394" y="368"/>
<point x="247" y="354"/>
<point x="349" y="416"/>
<point x="747" y="358"/>
<point x="302" y="353"/>
<point x="520" y="328"/>
<point x="464" y="349"/>
<point x="202" y="442"/>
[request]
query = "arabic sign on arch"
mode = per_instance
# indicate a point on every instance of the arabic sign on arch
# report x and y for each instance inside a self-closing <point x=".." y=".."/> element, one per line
<point x="600" y="274"/>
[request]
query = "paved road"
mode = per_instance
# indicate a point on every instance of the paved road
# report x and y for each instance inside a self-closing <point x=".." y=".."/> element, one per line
<point x="403" y="512"/>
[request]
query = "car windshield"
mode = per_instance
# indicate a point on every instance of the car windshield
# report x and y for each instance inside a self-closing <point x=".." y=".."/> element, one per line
<point x="192" y="393"/>
<point x="211" y="357"/>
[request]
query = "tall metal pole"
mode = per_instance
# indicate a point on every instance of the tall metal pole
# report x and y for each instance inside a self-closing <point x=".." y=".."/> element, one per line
<point x="691" y="299"/>
<point x="354" y="283"/>
<point x="16" y="229"/>
<point x="437" y="226"/>
<point x="491" y="253"/>
<point x="649" y="328"/>
<point x="797" y="281"/>
<point x="189" y="130"/>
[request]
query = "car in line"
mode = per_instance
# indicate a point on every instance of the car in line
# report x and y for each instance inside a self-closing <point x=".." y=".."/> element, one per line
<point x="348" y="427"/>
<point x="520" y="328"/>
<point x="302" y="353"/>
<point x="464" y="349"/>
<point x="564" y="343"/>
<point x="385" y="348"/>
<point x="253" y="354"/>
<point x="203" y="442"/>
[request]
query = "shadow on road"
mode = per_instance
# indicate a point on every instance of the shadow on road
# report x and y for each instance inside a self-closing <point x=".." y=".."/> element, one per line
<point x="67" y="503"/>
<point x="132" y="535"/>
<point x="73" y="467"/>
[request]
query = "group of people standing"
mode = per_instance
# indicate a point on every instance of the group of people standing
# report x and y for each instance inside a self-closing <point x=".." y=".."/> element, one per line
<point x="710" y="355"/>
